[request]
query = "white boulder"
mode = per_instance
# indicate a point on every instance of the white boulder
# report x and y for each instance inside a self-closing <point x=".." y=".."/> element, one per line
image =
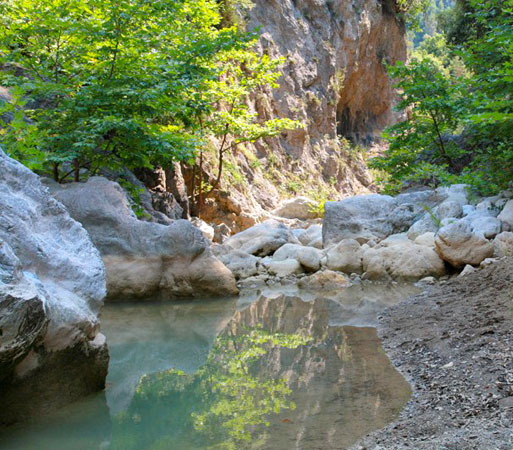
<point x="308" y="257"/>
<point x="503" y="244"/>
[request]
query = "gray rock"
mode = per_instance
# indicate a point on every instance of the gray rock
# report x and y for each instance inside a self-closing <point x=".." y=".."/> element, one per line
<point x="506" y="216"/>
<point x="143" y="259"/>
<point x="459" y="245"/>
<point x="455" y="192"/>
<point x="449" y="209"/>
<point x="489" y="227"/>
<point x="363" y="218"/>
<point x="468" y="209"/>
<point x="503" y="244"/>
<point x="242" y="265"/>
<point x="467" y="271"/>
<point x="326" y="280"/>
<point x="427" y="224"/>
<point x="401" y="259"/>
<point x="262" y="239"/>
<point x="52" y="285"/>
<point x="285" y="268"/>
<point x="312" y="237"/>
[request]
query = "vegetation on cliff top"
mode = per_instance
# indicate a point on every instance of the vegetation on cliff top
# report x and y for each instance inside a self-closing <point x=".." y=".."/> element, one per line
<point x="457" y="91"/>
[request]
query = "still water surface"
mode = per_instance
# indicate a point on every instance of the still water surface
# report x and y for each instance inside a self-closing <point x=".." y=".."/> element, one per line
<point x="291" y="370"/>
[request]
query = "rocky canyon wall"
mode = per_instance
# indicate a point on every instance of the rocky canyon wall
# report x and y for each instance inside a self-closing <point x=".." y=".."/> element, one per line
<point x="335" y="82"/>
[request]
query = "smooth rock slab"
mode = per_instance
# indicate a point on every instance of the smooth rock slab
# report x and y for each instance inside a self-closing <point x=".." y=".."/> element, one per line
<point x="52" y="285"/>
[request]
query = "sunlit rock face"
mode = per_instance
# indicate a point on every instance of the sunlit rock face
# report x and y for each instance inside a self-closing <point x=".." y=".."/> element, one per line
<point x="52" y="285"/>
<point x="144" y="259"/>
<point x="278" y="376"/>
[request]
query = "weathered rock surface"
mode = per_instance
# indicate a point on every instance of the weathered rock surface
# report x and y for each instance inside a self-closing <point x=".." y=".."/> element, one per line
<point x="346" y="257"/>
<point x="402" y="260"/>
<point x="326" y="280"/>
<point x="262" y="239"/>
<point x="312" y="236"/>
<point x="309" y="257"/>
<point x="503" y="244"/>
<point x="242" y="265"/>
<point x="144" y="259"/>
<point x="52" y="285"/>
<point x="457" y="244"/>
<point x="302" y="208"/>
<point x="506" y="216"/>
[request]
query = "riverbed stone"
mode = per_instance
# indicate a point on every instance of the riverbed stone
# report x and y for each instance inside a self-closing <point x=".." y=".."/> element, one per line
<point x="312" y="237"/>
<point x="457" y="244"/>
<point x="144" y="260"/>
<point x="506" y="216"/>
<point x="449" y="209"/>
<point x="262" y="239"/>
<point x="427" y="239"/>
<point x="302" y="208"/>
<point x="363" y="217"/>
<point x="325" y="280"/>
<point x="402" y="260"/>
<point x="346" y="257"/>
<point x="426" y="224"/>
<point x="308" y="257"/>
<point x="52" y="286"/>
<point x="242" y="264"/>
<point x="503" y="244"/>
<point x="284" y="268"/>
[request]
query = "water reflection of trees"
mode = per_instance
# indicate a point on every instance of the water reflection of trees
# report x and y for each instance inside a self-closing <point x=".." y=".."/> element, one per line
<point x="222" y="405"/>
<point x="272" y="356"/>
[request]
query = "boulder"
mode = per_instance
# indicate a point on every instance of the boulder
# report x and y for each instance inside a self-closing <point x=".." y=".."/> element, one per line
<point x="486" y="226"/>
<point x="427" y="224"/>
<point x="456" y="192"/>
<point x="503" y="244"/>
<point x="449" y="209"/>
<point x="312" y="236"/>
<point x="221" y="233"/>
<point x="302" y="208"/>
<point x="326" y="280"/>
<point x="144" y="260"/>
<point x="402" y="260"/>
<point x="364" y="218"/>
<point x="284" y="268"/>
<point x="506" y="216"/>
<point x="308" y="257"/>
<point x="427" y="239"/>
<point x="206" y="230"/>
<point x="52" y="285"/>
<point x="457" y="244"/>
<point x="242" y="265"/>
<point x="262" y="239"/>
<point x="346" y="257"/>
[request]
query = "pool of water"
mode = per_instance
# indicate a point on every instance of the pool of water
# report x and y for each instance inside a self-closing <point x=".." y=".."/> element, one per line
<point x="281" y="369"/>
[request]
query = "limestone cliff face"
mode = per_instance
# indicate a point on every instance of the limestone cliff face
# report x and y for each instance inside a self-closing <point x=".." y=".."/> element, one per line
<point x="334" y="81"/>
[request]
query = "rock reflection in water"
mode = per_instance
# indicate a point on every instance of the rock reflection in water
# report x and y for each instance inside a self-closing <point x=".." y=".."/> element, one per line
<point x="279" y="377"/>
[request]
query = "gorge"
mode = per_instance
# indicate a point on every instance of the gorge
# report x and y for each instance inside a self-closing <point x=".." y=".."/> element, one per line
<point x="289" y="303"/>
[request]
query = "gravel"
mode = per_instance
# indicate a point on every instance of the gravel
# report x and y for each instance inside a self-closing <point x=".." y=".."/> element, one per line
<point x="454" y="344"/>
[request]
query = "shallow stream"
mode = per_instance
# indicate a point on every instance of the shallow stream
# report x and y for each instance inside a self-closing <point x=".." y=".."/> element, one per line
<point x="282" y="369"/>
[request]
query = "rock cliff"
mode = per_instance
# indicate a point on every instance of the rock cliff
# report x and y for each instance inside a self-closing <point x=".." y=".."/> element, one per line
<point x="52" y="284"/>
<point x="335" y="82"/>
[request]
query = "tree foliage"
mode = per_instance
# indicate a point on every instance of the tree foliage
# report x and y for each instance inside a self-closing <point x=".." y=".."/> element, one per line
<point x="475" y="103"/>
<point x="127" y="83"/>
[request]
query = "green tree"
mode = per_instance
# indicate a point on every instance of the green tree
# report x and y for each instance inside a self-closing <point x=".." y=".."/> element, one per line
<point x="125" y="83"/>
